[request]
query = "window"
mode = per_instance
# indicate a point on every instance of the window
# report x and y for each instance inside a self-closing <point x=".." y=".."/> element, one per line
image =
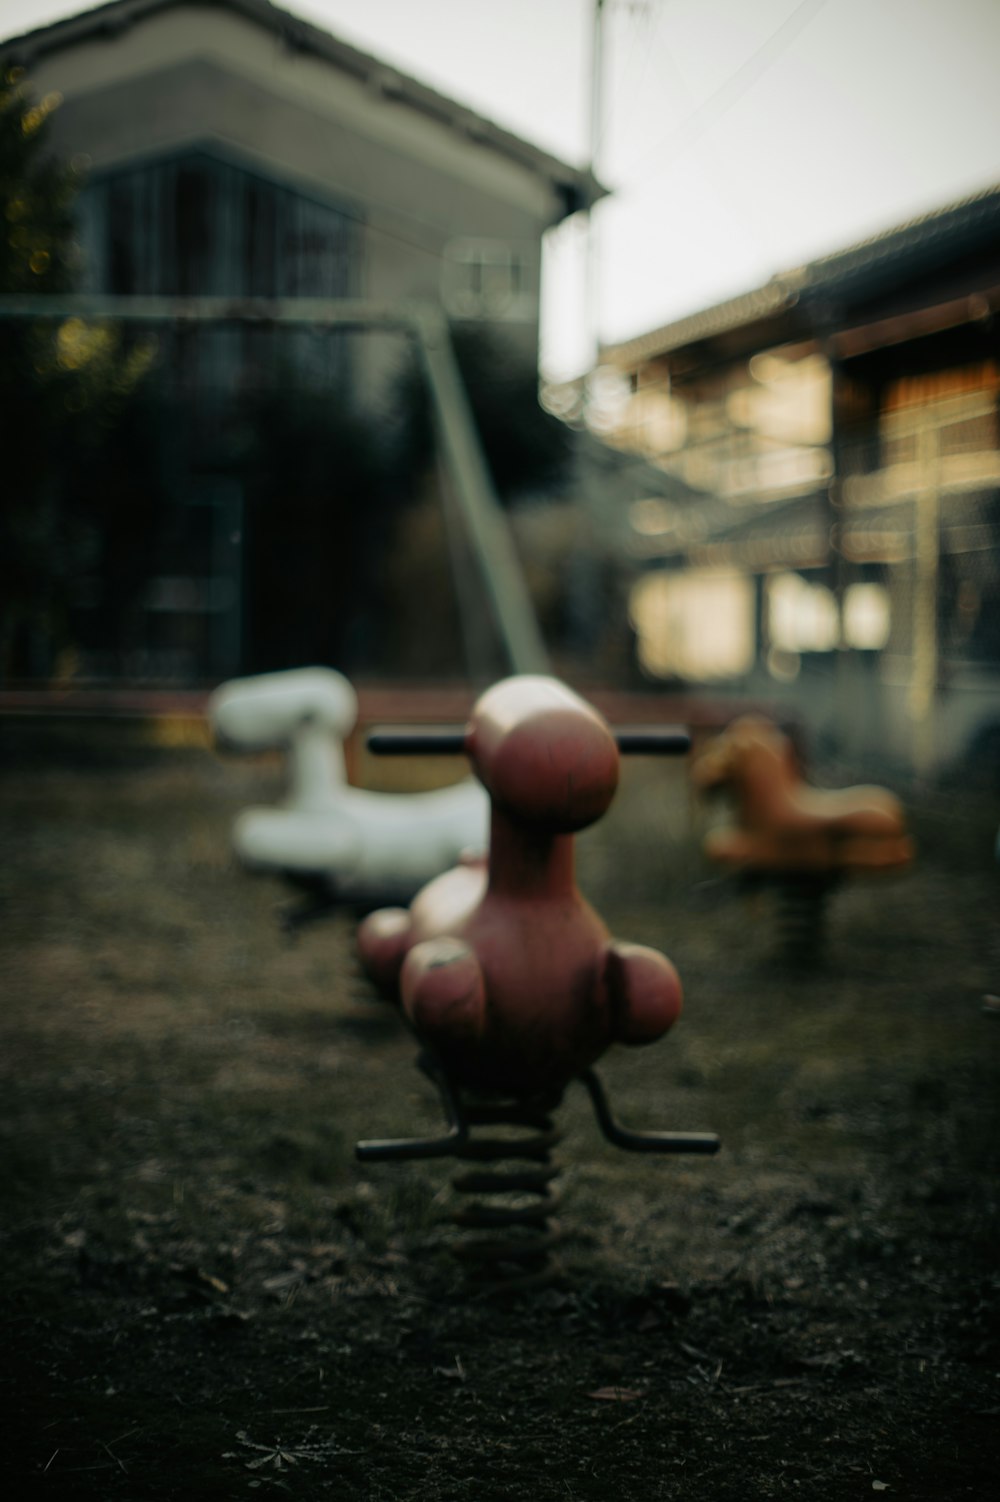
<point x="487" y="279"/>
<point x="801" y="617"/>
<point x="199" y="226"/>
<point x="698" y="624"/>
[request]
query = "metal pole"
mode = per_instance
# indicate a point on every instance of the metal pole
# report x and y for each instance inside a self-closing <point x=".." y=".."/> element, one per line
<point x="314" y="312"/>
<point x="483" y="515"/>
<point x="923" y="681"/>
<point x="592" y="321"/>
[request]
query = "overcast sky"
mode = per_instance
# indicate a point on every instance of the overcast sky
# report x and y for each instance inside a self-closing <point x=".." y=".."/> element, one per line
<point x="740" y="137"/>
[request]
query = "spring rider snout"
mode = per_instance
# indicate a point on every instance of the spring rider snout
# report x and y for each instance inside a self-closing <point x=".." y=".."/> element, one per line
<point x="510" y="980"/>
<point x="801" y="840"/>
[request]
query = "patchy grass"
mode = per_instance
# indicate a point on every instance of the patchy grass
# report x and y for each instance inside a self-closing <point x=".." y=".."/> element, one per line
<point x="206" y="1296"/>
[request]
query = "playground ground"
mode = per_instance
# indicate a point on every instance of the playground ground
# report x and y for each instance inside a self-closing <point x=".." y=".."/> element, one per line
<point x="205" y="1296"/>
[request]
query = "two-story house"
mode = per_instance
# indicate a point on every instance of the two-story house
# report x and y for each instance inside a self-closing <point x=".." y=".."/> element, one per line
<point x="233" y="150"/>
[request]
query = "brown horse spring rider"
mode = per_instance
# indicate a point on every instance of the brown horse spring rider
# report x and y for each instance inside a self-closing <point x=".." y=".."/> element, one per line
<point x="784" y="825"/>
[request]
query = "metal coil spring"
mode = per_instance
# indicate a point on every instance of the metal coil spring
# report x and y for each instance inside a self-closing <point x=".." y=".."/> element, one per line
<point x="802" y="918"/>
<point x="517" y="1217"/>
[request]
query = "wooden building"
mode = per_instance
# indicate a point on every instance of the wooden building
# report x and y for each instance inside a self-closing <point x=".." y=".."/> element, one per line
<point x="841" y="424"/>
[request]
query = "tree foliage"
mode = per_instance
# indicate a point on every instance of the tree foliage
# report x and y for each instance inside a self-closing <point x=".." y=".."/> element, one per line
<point x="319" y="507"/>
<point x="65" y="388"/>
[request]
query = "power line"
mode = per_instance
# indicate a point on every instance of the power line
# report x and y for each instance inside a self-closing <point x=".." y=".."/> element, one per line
<point x="711" y="110"/>
<point x="648" y="11"/>
<point x="718" y="174"/>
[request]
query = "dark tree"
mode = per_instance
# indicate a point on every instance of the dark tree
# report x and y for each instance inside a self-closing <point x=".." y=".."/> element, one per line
<point x="65" y="387"/>
<point x="526" y="449"/>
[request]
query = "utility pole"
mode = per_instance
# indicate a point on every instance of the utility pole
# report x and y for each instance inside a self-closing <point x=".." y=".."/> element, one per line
<point x="591" y="292"/>
<point x="926" y="569"/>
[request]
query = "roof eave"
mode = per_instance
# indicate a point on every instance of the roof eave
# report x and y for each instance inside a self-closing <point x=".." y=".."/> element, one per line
<point x="812" y="287"/>
<point x="577" y="187"/>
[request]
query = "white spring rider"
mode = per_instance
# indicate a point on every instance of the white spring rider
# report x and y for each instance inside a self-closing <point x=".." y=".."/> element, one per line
<point x="350" y="844"/>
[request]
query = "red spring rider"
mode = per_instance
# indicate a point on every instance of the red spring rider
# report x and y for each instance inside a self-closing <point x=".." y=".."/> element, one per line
<point x="505" y="972"/>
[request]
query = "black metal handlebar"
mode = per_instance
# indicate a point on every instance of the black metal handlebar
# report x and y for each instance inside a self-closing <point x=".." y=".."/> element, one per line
<point x="642" y="1142"/>
<point x="449" y="740"/>
<point x="455" y="1138"/>
<point x="417" y="740"/>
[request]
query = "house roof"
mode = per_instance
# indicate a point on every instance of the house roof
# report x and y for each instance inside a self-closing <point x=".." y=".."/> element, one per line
<point x="578" y="186"/>
<point x="895" y="255"/>
<point x="907" y="249"/>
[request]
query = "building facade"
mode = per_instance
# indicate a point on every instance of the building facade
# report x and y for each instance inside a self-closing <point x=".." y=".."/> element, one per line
<point x="841" y="425"/>
<point x="232" y="150"/>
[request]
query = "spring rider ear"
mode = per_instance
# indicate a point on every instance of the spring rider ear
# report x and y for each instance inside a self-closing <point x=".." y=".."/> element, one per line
<point x="800" y="840"/>
<point x="337" y="844"/>
<point x="510" y="980"/>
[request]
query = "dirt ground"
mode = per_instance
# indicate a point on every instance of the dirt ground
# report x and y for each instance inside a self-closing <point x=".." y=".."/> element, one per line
<point x="205" y="1295"/>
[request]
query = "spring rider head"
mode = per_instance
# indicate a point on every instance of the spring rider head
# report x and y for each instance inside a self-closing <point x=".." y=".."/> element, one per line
<point x="804" y="841"/>
<point x="336" y="843"/>
<point x="510" y="981"/>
